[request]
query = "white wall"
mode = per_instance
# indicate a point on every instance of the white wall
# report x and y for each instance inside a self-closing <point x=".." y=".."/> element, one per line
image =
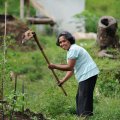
<point x="63" y="11"/>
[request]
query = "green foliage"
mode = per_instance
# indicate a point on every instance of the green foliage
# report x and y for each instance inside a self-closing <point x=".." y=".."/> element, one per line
<point x="44" y="96"/>
<point x="54" y="103"/>
<point x="106" y="109"/>
<point x="109" y="85"/>
<point x="104" y="8"/>
<point x="13" y="8"/>
<point x="15" y="101"/>
<point x="91" y="20"/>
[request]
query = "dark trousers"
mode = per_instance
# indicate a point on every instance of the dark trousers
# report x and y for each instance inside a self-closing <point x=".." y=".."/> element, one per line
<point x="84" y="97"/>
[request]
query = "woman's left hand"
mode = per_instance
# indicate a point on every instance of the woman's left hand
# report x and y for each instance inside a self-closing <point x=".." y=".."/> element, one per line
<point x="60" y="82"/>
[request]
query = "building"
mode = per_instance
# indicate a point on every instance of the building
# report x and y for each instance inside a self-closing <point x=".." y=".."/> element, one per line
<point x="62" y="11"/>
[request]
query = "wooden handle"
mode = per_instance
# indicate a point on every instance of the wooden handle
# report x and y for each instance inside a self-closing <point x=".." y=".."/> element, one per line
<point x="40" y="47"/>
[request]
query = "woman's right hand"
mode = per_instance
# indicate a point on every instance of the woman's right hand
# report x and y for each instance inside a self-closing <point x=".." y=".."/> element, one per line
<point x="51" y="66"/>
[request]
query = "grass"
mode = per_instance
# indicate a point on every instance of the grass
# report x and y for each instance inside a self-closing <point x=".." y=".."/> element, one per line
<point x="42" y="93"/>
<point x="44" y="96"/>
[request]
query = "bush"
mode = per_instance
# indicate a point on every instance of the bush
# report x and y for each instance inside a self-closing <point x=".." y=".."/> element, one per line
<point x="90" y="19"/>
<point x="108" y="83"/>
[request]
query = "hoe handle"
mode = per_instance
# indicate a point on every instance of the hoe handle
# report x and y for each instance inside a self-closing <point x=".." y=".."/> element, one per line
<point x="40" y="47"/>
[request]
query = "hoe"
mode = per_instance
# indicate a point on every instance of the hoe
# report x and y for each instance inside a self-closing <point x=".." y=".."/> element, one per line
<point x="30" y="34"/>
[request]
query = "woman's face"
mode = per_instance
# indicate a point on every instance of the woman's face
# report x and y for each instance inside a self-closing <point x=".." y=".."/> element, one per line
<point x="64" y="43"/>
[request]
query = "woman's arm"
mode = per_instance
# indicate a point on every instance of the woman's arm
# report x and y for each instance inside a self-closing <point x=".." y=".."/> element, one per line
<point x="67" y="67"/>
<point x="67" y="76"/>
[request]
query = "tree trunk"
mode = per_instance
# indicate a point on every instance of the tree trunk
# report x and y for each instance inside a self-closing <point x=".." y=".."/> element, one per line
<point x="106" y="33"/>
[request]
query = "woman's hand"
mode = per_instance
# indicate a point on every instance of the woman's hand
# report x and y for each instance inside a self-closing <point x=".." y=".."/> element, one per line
<point x="60" y="82"/>
<point x="51" y="66"/>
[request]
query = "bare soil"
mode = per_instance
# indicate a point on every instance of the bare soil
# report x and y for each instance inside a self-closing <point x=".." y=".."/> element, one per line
<point x="26" y="115"/>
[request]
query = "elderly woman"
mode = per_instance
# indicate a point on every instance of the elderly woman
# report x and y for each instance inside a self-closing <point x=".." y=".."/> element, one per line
<point x="86" y="71"/>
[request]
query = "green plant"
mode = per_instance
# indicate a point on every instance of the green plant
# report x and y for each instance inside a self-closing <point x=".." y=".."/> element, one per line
<point x="15" y="102"/>
<point x="109" y="85"/>
<point x="91" y="20"/>
<point x="14" y="6"/>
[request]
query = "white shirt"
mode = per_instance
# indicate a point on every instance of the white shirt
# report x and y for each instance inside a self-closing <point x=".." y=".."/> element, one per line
<point x="85" y="67"/>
